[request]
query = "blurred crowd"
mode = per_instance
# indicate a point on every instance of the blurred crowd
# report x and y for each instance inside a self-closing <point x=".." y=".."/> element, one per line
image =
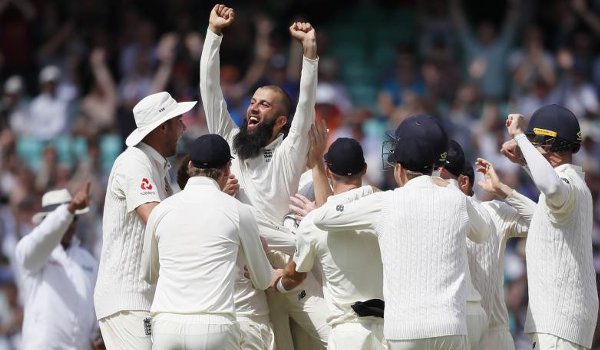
<point x="71" y="72"/>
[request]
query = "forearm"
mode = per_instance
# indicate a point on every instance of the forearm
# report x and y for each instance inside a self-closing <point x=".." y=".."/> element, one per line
<point x="542" y="173"/>
<point x="523" y="205"/>
<point x="33" y="250"/>
<point x="305" y="111"/>
<point x="321" y="184"/>
<point x="291" y="278"/>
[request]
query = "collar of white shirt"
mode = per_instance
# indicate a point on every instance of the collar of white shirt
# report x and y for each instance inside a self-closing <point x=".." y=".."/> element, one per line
<point x="154" y="155"/>
<point x="202" y="181"/>
<point x="418" y="181"/>
<point x="564" y="167"/>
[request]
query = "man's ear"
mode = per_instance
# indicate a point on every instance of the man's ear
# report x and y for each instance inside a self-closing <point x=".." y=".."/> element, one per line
<point x="281" y="121"/>
<point x="463" y="182"/>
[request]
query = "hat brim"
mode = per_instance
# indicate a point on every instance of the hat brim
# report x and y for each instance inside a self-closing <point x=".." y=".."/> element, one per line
<point x="39" y="217"/>
<point x="138" y="134"/>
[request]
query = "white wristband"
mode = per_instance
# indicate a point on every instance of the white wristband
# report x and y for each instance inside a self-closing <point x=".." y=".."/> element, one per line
<point x="280" y="287"/>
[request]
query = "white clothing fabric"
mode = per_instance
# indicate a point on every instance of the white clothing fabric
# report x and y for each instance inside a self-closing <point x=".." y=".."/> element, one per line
<point x="498" y="338"/>
<point x="486" y="260"/>
<point x="138" y="176"/>
<point x="195" y="265"/>
<point x="451" y="342"/>
<point x="364" y="334"/>
<point x="477" y="325"/>
<point x="422" y="230"/>
<point x="125" y="330"/>
<point x="256" y="333"/>
<point x="543" y="341"/>
<point x="194" y="332"/>
<point x="563" y="299"/>
<point x="58" y="287"/>
<point x="50" y="116"/>
<point x="352" y="269"/>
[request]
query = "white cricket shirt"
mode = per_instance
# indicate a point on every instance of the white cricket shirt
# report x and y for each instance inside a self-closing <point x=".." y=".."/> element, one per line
<point x="422" y="230"/>
<point x="58" y="287"/>
<point x="351" y="261"/>
<point x="138" y="176"/>
<point x="192" y="240"/>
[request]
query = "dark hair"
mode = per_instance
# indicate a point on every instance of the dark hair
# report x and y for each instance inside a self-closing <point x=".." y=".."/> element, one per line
<point x="182" y="171"/>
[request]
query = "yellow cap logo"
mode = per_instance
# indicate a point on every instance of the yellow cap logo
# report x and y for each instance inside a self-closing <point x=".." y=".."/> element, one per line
<point x="443" y="156"/>
<point x="545" y="132"/>
<point x="579" y="137"/>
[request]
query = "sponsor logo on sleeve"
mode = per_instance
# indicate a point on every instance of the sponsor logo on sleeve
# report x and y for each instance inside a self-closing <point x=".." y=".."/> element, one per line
<point x="146" y="185"/>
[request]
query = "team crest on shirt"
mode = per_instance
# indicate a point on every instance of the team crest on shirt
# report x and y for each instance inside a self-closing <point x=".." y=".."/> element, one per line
<point x="268" y="155"/>
<point x="340" y="208"/>
<point x="146" y="185"/>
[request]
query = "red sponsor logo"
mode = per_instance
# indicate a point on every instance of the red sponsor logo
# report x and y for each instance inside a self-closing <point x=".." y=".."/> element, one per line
<point x="146" y="184"/>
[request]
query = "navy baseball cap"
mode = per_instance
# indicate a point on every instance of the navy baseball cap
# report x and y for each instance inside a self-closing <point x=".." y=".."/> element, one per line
<point x="425" y="127"/>
<point x="345" y="157"/>
<point x="470" y="173"/>
<point x="455" y="160"/>
<point x="415" y="154"/>
<point x="209" y="151"/>
<point x="558" y="123"/>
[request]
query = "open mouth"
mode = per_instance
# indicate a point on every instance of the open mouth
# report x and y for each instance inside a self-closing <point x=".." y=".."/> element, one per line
<point x="253" y="122"/>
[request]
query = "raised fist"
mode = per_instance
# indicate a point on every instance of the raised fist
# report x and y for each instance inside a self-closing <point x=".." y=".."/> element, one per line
<point x="221" y="17"/>
<point x="515" y="123"/>
<point x="302" y="31"/>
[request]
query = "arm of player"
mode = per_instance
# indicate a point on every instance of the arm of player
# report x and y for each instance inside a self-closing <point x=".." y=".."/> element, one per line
<point x="291" y="278"/>
<point x="260" y="270"/>
<point x="297" y="140"/>
<point x="150" y="261"/>
<point x="480" y="223"/>
<point x="218" y="119"/>
<point x="542" y="173"/>
<point x="362" y="214"/>
<point x="523" y="205"/>
<point x="318" y="136"/>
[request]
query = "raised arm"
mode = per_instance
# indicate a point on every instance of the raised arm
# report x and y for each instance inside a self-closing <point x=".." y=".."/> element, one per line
<point x="32" y="251"/>
<point x="218" y="118"/>
<point x="103" y="76"/>
<point x="305" y="110"/>
<point x="542" y="173"/>
<point x="318" y="136"/>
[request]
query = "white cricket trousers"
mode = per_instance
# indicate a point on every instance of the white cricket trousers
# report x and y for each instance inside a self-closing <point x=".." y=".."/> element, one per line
<point x="125" y="330"/>
<point x="308" y="309"/>
<point x="544" y="341"/>
<point x="195" y="332"/>
<point x="498" y="338"/>
<point x="256" y="333"/>
<point x="364" y="334"/>
<point x="477" y="325"/>
<point x="451" y="342"/>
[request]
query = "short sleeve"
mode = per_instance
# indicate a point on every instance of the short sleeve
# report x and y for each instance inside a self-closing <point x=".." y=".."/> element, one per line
<point x="306" y="252"/>
<point x="134" y="180"/>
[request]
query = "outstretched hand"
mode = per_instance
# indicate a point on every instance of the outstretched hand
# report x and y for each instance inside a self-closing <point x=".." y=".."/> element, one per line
<point x="221" y="17"/>
<point x="491" y="182"/>
<point x="301" y="206"/>
<point x="81" y="200"/>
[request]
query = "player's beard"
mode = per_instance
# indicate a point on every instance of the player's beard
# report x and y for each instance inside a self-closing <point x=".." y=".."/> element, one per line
<point x="248" y="145"/>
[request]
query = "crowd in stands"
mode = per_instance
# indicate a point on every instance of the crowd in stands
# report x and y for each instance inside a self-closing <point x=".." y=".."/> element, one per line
<point x="71" y="72"/>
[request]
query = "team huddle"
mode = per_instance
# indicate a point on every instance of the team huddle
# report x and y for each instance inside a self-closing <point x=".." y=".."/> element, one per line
<point x="273" y="242"/>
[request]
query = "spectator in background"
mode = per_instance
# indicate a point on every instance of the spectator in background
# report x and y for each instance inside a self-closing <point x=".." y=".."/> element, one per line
<point x="48" y="111"/>
<point x="58" y="277"/>
<point x="14" y="107"/>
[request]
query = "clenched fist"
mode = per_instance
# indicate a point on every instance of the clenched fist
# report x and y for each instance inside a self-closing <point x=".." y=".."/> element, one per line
<point x="515" y="123"/>
<point x="305" y="34"/>
<point x="221" y="17"/>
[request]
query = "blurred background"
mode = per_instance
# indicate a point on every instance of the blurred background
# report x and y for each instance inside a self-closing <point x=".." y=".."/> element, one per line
<point x="72" y="70"/>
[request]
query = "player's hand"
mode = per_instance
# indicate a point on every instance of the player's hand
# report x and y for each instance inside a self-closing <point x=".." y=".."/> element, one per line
<point x="318" y="136"/>
<point x="301" y="206"/>
<point x="232" y="186"/>
<point x="510" y="149"/>
<point x="305" y="34"/>
<point x="515" y="124"/>
<point x="81" y="199"/>
<point x="491" y="182"/>
<point x="277" y="274"/>
<point x="221" y="17"/>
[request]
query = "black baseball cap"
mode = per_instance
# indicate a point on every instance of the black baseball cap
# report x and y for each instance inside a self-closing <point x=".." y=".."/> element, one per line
<point x="428" y="128"/>
<point x="345" y="157"/>
<point x="554" y="121"/>
<point x="209" y="151"/>
<point x="455" y="160"/>
<point x="470" y="173"/>
<point x="414" y="153"/>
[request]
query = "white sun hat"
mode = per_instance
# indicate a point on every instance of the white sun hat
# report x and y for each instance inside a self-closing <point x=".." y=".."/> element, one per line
<point x="152" y="111"/>
<point x="52" y="200"/>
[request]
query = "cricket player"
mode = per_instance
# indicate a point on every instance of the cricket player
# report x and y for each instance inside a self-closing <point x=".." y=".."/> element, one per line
<point x="421" y="228"/>
<point x="190" y="251"/>
<point x="511" y="216"/>
<point x="563" y="299"/>
<point x="137" y="183"/>
<point x="268" y="167"/>
<point x="351" y="261"/>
